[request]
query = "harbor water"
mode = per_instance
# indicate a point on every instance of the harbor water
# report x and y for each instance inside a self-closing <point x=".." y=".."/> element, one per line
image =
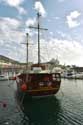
<point x="65" y="108"/>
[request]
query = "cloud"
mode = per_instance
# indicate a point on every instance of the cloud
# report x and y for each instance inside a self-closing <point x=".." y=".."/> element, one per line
<point x="16" y="4"/>
<point x="11" y="38"/>
<point x="31" y="22"/>
<point x="39" y="7"/>
<point x="16" y="52"/>
<point x="61" y="34"/>
<point x="68" y="52"/>
<point x="13" y="2"/>
<point x="61" y="0"/>
<point x="56" y="18"/>
<point x="8" y="28"/>
<point x="21" y="10"/>
<point x="51" y="33"/>
<point x="71" y="19"/>
<point x="9" y="22"/>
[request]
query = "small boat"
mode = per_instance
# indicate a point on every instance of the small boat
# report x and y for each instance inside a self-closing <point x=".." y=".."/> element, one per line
<point x="3" y="77"/>
<point x="37" y="81"/>
<point x="72" y="75"/>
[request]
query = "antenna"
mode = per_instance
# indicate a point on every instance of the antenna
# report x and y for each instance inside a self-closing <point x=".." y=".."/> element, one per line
<point x="38" y="28"/>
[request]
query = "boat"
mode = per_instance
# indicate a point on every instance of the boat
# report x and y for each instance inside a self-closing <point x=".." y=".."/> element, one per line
<point x="3" y="78"/>
<point x="72" y="75"/>
<point x="37" y="81"/>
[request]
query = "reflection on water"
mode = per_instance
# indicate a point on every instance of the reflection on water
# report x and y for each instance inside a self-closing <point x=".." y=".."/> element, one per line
<point x="42" y="111"/>
<point x="64" y="109"/>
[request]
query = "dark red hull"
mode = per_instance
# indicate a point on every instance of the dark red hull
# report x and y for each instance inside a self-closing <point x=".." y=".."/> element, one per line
<point x="38" y="84"/>
<point x="43" y="93"/>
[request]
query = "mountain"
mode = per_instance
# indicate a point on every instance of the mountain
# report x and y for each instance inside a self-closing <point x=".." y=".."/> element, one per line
<point x="8" y="60"/>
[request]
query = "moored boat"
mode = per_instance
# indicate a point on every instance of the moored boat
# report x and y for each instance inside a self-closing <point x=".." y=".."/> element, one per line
<point x="72" y="75"/>
<point x="38" y="81"/>
<point x="3" y="77"/>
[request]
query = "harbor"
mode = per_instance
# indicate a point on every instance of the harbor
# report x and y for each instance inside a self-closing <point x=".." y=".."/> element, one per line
<point x="9" y="68"/>
<point x="41" y="64"/>
<point x="65" y="108"/>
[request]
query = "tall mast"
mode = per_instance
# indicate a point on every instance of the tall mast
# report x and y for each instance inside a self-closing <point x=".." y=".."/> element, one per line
<point x="38" y="28"/>
<point x="27" y="44"/>
<point x="38" y="15"/>
<point x="27" y="51"/>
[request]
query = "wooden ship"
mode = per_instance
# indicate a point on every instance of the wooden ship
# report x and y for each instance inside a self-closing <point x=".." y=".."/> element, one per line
<point x="37" y="81"/>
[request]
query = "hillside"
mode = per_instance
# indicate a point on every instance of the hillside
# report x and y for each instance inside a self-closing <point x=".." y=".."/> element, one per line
<point x="7" y="60"/>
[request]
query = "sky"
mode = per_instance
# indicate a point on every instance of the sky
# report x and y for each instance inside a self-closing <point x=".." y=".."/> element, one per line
<point x="62" y="40"/>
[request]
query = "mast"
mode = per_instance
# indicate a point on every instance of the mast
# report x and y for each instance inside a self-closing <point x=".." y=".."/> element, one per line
<point x="38" y="15"/>
<point x="27" y="51"/>
<point x="38" y="28"/>
<point x="27" y="44"/>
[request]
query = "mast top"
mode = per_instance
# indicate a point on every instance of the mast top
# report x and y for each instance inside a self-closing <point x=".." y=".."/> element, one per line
<point x="38" y="29"/>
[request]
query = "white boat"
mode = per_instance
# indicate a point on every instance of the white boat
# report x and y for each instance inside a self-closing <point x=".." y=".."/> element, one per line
<point x="3" y="77"/>
<point x="72" y="75"/>
<point x="77" y="76"/>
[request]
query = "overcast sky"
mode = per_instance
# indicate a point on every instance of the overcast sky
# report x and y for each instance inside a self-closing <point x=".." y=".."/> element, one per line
<point x="62" y="18"/>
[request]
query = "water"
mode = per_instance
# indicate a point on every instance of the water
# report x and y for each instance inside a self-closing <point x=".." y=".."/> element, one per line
<point x="66" y="108"/>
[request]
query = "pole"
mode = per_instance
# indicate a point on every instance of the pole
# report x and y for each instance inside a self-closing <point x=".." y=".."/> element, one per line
<point x="38" y="39"/>
<point x="38" y="28"/>
<point x="27" y="51"/>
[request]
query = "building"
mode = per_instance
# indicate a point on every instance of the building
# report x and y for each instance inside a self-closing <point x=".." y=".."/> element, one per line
<point x="10" y="65"/>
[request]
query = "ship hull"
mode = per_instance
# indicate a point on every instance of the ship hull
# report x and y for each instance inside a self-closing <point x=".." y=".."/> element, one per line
<point x="38" y="85"/>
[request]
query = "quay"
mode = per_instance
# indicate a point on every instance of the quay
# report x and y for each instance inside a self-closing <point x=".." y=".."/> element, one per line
<point x="12" y="67"/>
